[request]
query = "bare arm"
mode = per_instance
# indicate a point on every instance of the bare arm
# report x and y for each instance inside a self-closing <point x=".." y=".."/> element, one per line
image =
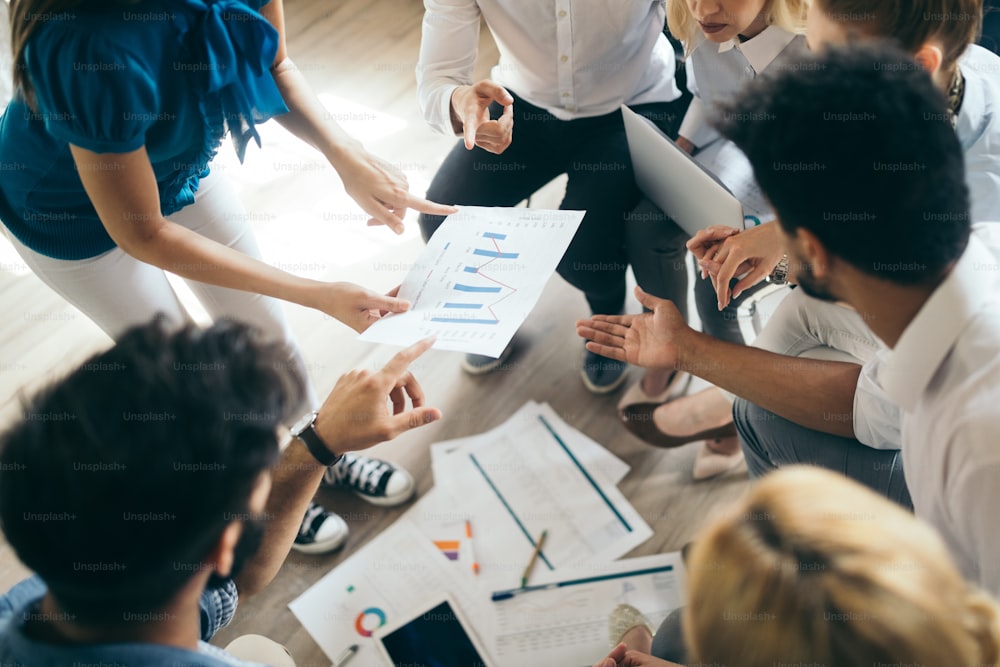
<point x="123" y="189"/>
<point x="378" y="187"/>
<point x="812" y="393"/>
<point x="353" y="417"/>
<point x="815" y="394"/>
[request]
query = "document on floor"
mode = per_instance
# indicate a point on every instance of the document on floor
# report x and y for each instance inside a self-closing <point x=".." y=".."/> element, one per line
<point x="478" y="278"/>
<point x="526" y="479"/>
<point x="594" y="457"/>
<point x="383" y="582"/>
<point x="567" y="624"/>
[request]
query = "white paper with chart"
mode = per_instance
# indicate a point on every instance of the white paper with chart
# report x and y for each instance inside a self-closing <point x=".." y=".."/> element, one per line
<point x="478" y="278"/>
<point x="588" y="452"/>
<point x="568" y="625"/>
<point x="526" y="479"/>
<point x="381" y="583"/>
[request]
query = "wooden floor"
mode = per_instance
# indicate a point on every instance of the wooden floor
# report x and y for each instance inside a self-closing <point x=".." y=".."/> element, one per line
<point x="360" y="56"/>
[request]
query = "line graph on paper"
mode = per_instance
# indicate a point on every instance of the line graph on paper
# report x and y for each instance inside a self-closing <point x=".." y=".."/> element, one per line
<point x="476" y="300"/>
<point x="478" y="278"/>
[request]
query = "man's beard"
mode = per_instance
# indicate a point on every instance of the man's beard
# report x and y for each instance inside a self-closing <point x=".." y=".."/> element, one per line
<point x="246" y="547"/>
<point x="807" y="281"/>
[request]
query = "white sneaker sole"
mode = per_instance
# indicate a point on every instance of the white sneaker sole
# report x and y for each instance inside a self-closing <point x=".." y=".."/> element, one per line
<point x="391" y="501"/>
<point x="600" y="390"/>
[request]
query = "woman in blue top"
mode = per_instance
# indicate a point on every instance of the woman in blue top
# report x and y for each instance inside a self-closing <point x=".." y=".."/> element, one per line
<point x="118" y="110"/>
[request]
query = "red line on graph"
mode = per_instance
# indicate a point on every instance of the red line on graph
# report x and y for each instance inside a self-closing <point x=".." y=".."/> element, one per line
<point x="479" y="271"/>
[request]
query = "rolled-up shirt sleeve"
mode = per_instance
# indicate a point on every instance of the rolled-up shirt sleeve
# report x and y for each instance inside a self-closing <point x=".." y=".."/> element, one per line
<point x="877" y="420"/>
<point x="448" y="45"/>
<point x="218" y="606"/>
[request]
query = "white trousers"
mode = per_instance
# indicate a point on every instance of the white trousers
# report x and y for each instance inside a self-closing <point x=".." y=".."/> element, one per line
<point x="117" y="291"/>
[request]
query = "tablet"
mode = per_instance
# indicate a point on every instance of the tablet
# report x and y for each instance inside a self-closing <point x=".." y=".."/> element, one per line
<point x="435" y="635"/>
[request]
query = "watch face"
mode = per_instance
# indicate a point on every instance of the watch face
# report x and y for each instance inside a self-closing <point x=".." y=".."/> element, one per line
<point x="303" y="423"/>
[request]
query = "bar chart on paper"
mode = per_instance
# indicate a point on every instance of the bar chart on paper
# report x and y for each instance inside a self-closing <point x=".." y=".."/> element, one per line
<point x="477" y="292"/>
<point x="478" y="278"/>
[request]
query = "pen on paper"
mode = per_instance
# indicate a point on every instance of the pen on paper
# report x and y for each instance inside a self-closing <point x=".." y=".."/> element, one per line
<point x="534" y="557"/>
<point x="472" y="550"/>
<point x="514" y="592"/>
<point x="346" y="655"/>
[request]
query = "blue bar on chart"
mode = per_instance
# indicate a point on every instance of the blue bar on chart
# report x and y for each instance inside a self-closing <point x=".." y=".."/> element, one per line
<point x="469" y="306"/>
<point x="463" y="320"/>
<point x="495" y="254"/>
<point x="471" y="269"/>
<point x="459" y="287"/>
<point x="494" y="235"/>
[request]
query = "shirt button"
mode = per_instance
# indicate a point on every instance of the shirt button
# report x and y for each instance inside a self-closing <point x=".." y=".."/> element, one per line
<point x="563" y="58"/>
<point x="562" y="13"/>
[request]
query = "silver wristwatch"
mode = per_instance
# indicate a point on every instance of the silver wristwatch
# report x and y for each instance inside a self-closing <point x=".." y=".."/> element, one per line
<point x="780" y="274"/>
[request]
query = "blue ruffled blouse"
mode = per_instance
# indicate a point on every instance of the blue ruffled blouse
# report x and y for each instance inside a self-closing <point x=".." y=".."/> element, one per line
<point x="171" y="75"/>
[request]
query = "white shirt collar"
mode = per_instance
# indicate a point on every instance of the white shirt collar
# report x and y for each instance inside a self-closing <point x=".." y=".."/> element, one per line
<point x="932" y="334"/>
<point x="761" y="49"/>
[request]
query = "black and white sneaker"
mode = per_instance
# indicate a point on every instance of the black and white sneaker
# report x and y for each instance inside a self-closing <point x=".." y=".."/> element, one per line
<point x="321" y="531"/>
<point x="377" y="481"/>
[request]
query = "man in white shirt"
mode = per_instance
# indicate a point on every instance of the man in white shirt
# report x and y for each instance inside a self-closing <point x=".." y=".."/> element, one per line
<point x="857" y="231"/>
<point x="550" y="106"/>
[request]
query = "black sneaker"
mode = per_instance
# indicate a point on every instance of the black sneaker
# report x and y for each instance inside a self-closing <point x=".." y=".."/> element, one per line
<point x="480" y="364"/>
<point x="321" y="531"/>
<point x="602" y="375"/>
<point x="377" y="481"/>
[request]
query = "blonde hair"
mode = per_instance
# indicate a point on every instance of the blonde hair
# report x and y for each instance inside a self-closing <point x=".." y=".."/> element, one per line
<point x="789" y="15"/>
<point x="814" y="568"/>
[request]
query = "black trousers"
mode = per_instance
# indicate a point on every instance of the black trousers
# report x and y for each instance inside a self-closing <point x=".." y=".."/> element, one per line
<point x="593" y="152"/>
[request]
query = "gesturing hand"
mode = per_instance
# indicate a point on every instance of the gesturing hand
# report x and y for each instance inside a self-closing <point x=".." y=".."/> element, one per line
<point x="356" y="415"/>
<point x="356" y="306"/>
<point x="470" y="109"/>
<point x="382" y="191"/>
<point x="650" y="340"/>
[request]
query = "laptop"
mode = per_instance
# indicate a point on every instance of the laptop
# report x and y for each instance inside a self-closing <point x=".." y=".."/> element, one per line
<point x="681" y="187"/>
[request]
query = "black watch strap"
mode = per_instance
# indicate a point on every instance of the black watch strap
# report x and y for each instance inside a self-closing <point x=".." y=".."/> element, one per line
<point x="316" y="446"/>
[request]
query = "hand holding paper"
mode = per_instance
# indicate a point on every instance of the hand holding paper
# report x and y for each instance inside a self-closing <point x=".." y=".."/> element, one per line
<point x="478" y="278"/>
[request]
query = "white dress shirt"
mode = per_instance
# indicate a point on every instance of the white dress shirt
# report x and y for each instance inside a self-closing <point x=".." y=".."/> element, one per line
<point x="573" y="58"/>
<point x="716" y="72"/>
<point x="945" y="375"/>
<point x="978" y="129"/>
<point x="876" y="418"/>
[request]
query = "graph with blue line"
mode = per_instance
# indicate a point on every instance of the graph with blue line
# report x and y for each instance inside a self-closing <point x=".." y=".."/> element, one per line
<point x="480" y="290"/>
<point x="477" y="278"/>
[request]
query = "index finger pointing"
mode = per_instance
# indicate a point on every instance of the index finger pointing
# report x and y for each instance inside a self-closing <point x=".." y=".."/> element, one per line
<point x="397" y="366"/>
<point x="426" y="206"/>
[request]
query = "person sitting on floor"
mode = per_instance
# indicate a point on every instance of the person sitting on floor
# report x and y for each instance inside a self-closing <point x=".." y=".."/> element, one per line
<point x="811" y="568"/>
<point x="942" y="43"/>
<point x="147" y="491"/>
<point x="867" y="177"/>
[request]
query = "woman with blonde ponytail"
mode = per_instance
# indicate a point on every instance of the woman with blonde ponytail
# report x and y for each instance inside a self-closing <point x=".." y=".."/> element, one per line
<point x="813" y="568"/>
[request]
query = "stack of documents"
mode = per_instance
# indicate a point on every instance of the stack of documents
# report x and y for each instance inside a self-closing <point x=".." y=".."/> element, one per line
<point x="476" y="531"/>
